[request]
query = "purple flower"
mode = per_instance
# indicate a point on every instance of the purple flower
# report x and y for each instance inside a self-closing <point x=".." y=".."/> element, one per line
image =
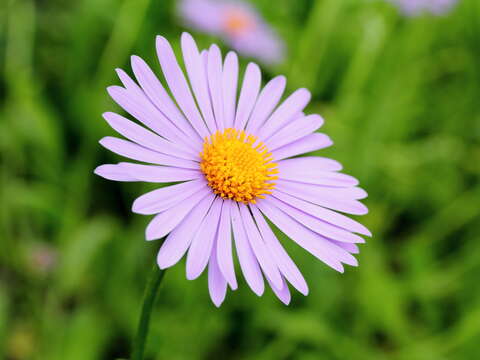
<point x="237" y="23"/>
<point x="417" y="7"/>
<point x="234" y="162"/>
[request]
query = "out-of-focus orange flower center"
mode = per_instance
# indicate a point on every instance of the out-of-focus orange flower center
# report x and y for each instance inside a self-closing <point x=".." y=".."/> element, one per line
<point x="237" y="166"/>
<point x="238" y="22"/>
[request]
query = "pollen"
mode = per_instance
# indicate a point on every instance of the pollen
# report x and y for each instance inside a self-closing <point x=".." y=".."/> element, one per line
<point x="237" y="166"/>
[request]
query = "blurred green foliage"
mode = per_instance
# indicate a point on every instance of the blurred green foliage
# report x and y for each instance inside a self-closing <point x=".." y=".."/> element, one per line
<point x="401" y="100"/>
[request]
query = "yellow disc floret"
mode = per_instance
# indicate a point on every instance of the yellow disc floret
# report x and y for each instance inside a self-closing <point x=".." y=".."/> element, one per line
<point x="237" y="166"/>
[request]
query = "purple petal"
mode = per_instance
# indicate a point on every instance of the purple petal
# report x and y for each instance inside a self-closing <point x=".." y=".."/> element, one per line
<point x="284" y="262"/>
<point x="318" y="177"/>
<point x="248" y="95"/>
<point x="309" y="143"/>
<point x="154" y="173"/>
<point x="294" y="131"/>
<point x="286" y="112"/>
<point x="260" y="251"/>
<point x="139" y="105"/>
<point x="136" y="152"/>
<point x="146" y="138"/>
<point x="217" y="285"/>
<point x="229" y="84"/>
<point x="160" y="98"/>
<point x="320" y="227"/>
<point x="113" y="172"/>
<point x="248" y="262"/>
<point x="164" y="198"/>
<point x="319" y="212"/>
<point x="321" y="196"/>
<point x="283" y="293"/>
<point x="351" y="248"/>
<point x="214" y="71"/>
<point x="166" y="221"/>
<point x="180" y="238"/>
<point x="309" y="162"/>
<point x="179" y="86"/>
<point x="267" y="101"/>
<point x="224" y="245"/>
<point x="345" y="193"/>
<point x="202" y="243"/>
<point x="353" y="192"/>
<point x="198" y="78"/>
<point x="321" y="248"/>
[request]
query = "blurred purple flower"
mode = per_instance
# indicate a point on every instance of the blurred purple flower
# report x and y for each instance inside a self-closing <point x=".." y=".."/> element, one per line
<point x="237" y="23"/>
<point x="235" y="163"/>
<point x="42" y="258"/>
<point x="417" y="7"/>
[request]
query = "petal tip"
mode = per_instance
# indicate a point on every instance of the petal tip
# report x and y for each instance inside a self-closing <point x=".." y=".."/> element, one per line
<point x="258" y="290"/>
<point x="187" y="36"/>
<point x="217" y="301"/>
<point x="305" y="291"/>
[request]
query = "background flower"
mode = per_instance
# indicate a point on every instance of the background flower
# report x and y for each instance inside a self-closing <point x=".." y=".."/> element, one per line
<point x="416" y="7"/>
<point x="237" y="23"/>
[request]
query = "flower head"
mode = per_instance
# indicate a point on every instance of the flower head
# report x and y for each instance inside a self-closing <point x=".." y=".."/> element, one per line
<point x="417" y="7"/>
<point x="237" y="23"/>
<point x="234" y="163"/>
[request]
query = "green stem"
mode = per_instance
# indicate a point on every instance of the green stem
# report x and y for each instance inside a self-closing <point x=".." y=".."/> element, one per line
<point x="151" y="290"/>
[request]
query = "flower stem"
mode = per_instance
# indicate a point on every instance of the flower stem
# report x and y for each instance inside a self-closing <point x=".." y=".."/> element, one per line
<point x="151" y="290"/>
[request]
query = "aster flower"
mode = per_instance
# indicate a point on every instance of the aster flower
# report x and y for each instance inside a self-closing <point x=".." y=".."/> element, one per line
<point x="237" y="23"/>
<point x="417" y="7"/>
<point x="234" y="163"/>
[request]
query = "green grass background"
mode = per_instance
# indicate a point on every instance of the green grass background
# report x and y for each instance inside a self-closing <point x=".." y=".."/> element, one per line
<point x="401" y="102"/>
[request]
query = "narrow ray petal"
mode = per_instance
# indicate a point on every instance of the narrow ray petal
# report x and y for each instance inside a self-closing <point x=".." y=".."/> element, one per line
<point x="321" y="248"/>
<point x="224" y="245"/>
<point x="294" y="131"/>
<point x="309" y="143"/>
<point x="160" y="174"/>
<point x="229" y="85"/>
<point x="179" y="86"/>
<point x="217" y="285"/>
<point x="146" y="138"/>
<point x="160" y="98"/>
<point x="168" y="220"/>
<point x="266" y="102"/>
<point x="321" y="227"/>
<point x="248" y="95"/>
<point x="198" y="78"/>
<point x="180" y="238"/>
<point x="202" y="243"/>
<point x="136" y="102"/>
<point x="259" y="248"/>
<point x="137" y="152"/>
<point x="284" y="262"/>
<point x="351" y="248"/>
<point x="164" y="198"/>
<point x="283" y="293"/>
<point x="214" y="69"/>
<point x="248" y="263"/>
<point x="317" y="195"/>
<point x="286" y="112"/>
<point x="312" y="163"/>
<point x="325" y="178"/>
<point x="113" y="172"/>
<point x="327" y="215"/>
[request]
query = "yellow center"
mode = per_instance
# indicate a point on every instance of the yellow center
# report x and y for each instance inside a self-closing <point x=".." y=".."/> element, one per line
<point x="237" y="166"/>
<point x="237" y="22"/>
